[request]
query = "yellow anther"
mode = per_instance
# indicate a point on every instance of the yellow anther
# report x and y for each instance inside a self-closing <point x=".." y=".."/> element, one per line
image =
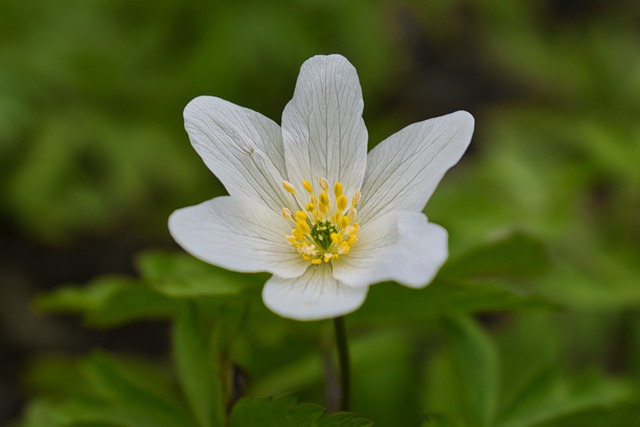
<point x="324" y="199"/>
<point x="289" y="187"/>
<point x="286" y="213"/>
<point x="324" y="184"/>
<point x="342" y="202"/>
<point x="352" y="213"/>
<point x="343" y="221"/>
<point x="310" y="207"/>
<point x="327" y="257"/>
<point x="336" y="238"/>
<point x="337" y="189"/>
<point x="291" y="239"/>
<point x="344" y="248"/>
<point x="298" y="234"/>
<point x="302" y="227"/>
<point x="308" y="250"/>
<point x="300" y="216"/>
<point x="352" y="239"/>
<point x="316" y="261"/>
<point x="356" y="198"/>
<point x="307" y="186"/>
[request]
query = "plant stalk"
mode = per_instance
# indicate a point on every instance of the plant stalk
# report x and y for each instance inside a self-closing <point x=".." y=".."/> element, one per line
<point x="343" y="362"/>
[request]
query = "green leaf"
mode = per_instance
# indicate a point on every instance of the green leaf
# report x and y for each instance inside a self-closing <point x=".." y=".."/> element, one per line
<point x="442" y="420"/>
<point x="387" y="302"/>
<point x="198" y="366"/>
<point x="127" y="399"/>
<point x="284" y="411"/>
<point x="180" y="275"/>
<point x="41" y="412"/>
<point x="108" y="302"/>
<point x="547" y="395"/>
<point x="477" y="361"/>
<point x="131" y="304"/>
<point x="511" y="257"/>
<point x="82" y="300"/>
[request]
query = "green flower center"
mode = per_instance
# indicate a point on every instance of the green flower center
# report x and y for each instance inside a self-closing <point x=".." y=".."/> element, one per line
<point x="321" y="233"/>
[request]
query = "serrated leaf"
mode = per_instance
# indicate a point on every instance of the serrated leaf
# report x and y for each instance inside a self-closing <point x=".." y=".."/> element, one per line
<point x="198" y="367"/>
<point x="284" y="411"/>
<point x="477" y="361"/>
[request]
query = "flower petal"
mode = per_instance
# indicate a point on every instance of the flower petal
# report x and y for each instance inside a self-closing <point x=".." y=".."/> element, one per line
<point x="241" y="147"/>
<point x="404" y="170"/>
<point x="238" y="234"/>
<point x="322" y="127"/>
<point x="399" y="246"/>
<point x="314" y="295"/>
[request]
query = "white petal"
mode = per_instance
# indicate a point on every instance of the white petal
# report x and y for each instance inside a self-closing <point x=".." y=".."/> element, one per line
<point x="238" y="234"/>
<point x="322" y="127"/>
<point x="399" y="246"/>
<point x="241" y="147"/>
<point x="404" y="170"/>
<point x="314" y="295"/>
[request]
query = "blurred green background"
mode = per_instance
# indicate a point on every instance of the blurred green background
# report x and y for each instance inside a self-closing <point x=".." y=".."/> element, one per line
<point x="543" y="211"/>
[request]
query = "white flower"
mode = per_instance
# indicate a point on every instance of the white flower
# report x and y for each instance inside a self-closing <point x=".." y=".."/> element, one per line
<point x="308" y="204"/>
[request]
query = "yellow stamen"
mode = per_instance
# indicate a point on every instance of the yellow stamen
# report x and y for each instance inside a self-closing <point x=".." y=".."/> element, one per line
<point x="337" y="189"/>
<point x="344" y="248"/>
<point x="327" y="257"/>
<point x="300" y="216"/>
<point x="308" y="250"/>
<point x="342" y="202"/>
<point x="324" y="184"/>
<point x="310" y="207"/>
<point x="286" y="213"/>
<point x="307" y="186"/>
<point x="336" y="238"/>
<point x="292" y="240"/>
<point x="352" y="213"/>
<point x="289" y="187"/>
<point x="356" y="198"/>
<point x="316" y="261"/>
<point x="324" y="199"/>
<point x="303" y="228"/>
<point x="343" y="221"/>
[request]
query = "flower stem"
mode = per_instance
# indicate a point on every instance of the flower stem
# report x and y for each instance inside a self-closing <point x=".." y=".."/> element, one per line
<point x="343" y="361"/>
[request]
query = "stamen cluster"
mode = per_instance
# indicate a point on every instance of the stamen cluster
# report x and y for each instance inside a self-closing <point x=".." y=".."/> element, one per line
<point x="324" y="228"/>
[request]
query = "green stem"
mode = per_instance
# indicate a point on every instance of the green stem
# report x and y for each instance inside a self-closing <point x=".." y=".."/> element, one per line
<point x="343" y="361"/>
